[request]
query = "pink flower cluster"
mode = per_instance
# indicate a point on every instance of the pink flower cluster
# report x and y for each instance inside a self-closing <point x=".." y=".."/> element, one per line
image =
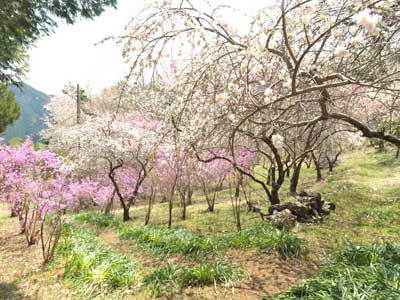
<point x="34" y="184"/>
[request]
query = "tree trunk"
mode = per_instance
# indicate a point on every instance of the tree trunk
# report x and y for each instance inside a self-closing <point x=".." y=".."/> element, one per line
<point x="317" y="167"/>
<point x="170" y="207"/>
<point x="210" y="204"/>
<point x="126" y="216"/>
<point x="330" y="163"/>
<point x="149" y="208"/>
<point x="189" y="197"/>
<point x="184" y="210"/>
<point x="148" y="213"/>
<point x="287" y="171"/>
<point x="110" y="205"/>
<point x="271" y="176"/>
<point x="183" y="196"/>
<point x="13" y="213"/>
<point x="236" y="203"/>
<point x="171" y="201"/>
<point x="274" y="198"/>
<point x="210" y="200"/>
<point x="294" y="181"/>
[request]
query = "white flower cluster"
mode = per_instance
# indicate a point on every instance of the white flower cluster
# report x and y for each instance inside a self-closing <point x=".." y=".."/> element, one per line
<point x="221" y="97"/>
<point x="268" y="95"/>
<point x="278" y="141"/>
<point x="368" y="20"/>
<point x="341" y="51"/>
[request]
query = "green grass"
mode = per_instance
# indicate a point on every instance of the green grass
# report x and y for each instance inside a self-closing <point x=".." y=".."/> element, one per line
<point x="174" y="276"/>
<point x="356" y="273"/>
<point x="163" y="241"/>
<point x="98" y="219"/>
<point x="364" y="187"/>
<point x="379" y="216"/>
<point x="266" y="239"/>
<point x="93" y="268"/>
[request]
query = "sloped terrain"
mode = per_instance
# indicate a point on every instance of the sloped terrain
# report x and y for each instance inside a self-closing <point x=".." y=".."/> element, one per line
<point x="203" y="257"/>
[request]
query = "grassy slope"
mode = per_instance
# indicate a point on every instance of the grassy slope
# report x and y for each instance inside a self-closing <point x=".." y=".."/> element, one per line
<point x="365" y="188"/>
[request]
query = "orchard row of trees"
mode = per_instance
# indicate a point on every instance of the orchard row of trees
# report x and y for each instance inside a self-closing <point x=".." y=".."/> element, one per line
<point x="307" y="75"/>
<point x="282" y="93"/>
<point x="206" y="105"/>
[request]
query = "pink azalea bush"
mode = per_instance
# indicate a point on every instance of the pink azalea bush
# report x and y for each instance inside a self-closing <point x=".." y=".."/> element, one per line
<point x="37" y="187"/>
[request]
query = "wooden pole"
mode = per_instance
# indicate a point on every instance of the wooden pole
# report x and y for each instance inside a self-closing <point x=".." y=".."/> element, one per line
<point x="78" y="104"/>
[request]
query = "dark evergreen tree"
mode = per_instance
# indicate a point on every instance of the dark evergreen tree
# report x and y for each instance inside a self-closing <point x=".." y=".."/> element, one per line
<point x="9" y="108"/>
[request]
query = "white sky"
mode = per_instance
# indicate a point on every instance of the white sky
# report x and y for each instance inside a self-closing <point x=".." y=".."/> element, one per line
<point x="70" y="53"/>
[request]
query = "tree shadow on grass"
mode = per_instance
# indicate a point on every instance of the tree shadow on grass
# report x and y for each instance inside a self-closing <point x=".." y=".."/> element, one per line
<point x="9" y="291"/>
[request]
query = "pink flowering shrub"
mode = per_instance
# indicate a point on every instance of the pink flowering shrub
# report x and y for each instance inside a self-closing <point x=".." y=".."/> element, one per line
<point x="37" y="188"/>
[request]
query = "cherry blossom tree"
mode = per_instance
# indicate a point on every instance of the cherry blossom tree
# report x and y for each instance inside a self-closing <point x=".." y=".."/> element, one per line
<point x="301" y="63"/>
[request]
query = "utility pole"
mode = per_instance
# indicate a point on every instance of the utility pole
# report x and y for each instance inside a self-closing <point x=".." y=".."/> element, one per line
<point x="78" y="104"/>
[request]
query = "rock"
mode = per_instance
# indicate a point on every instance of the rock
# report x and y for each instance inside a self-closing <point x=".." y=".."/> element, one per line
<point x="301" y="211"/>
<point x="327" y="207"/>
<point x="283" y="219"/>
<point x="313" y="200"/>
<point x="303" y="194"/>
<point x="315" y="196"/>
<point x="309" y="208"/>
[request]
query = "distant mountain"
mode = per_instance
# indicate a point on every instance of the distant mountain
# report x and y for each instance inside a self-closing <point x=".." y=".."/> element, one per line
<point x="33" y="113"/>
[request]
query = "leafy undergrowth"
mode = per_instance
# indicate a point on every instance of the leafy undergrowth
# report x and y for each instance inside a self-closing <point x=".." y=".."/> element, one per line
<point x="100" y="220"/>
<point x="174" y="276"/>
<point x="357" y="272"/>
<point x="365" y="186"/>
<point x="164" y="241"/>
<point x="266" y="239"/>
<point x="22" y="274"/>
<point x="92" y="268"/>
<point x="179" y="241"/>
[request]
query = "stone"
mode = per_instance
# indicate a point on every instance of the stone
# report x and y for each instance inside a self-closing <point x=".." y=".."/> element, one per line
<point x="309" y="208"/>
<point x="283" y="219"/>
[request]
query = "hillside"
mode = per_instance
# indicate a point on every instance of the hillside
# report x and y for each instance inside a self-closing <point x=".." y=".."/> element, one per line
<point x="203" y="257"/>
<point x="31" y="121"/>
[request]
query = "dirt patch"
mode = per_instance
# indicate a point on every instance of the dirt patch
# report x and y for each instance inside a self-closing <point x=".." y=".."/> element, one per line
<point x="266" y="274"/>
<point x="269" y="273"/>
<point x="146" y="259"/>
<point x="109" y="238"/>
<point x="22" y="275"/>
